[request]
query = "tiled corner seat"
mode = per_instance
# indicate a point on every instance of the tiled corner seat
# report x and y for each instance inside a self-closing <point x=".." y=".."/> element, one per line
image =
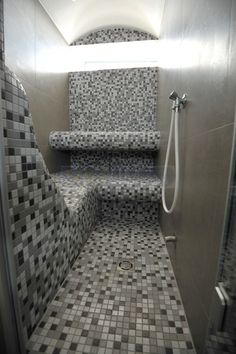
<point x="105" y="140"/>
<point x="76" y="186"/>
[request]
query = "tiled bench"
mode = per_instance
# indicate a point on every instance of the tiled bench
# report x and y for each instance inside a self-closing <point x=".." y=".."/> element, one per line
<point x="102" y="140"/>
<point x="123" y="196"/>
<point x="128" y="187"/>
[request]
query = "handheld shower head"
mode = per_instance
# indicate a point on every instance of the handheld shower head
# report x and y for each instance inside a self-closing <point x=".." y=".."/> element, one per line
<point x="173" y="95"/>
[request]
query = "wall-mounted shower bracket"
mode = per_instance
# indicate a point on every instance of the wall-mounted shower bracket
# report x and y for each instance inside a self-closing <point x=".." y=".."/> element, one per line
<point x="180" y="102"/>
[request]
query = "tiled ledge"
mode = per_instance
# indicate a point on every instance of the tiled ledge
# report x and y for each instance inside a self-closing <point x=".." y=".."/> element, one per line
<point x="77" y="140"/>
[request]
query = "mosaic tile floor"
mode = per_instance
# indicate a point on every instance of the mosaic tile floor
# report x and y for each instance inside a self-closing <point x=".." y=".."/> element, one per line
<point x="102" y="309"/>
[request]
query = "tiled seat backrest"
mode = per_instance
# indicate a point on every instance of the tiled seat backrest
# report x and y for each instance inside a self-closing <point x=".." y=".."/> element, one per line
<point x="38" y="215"/>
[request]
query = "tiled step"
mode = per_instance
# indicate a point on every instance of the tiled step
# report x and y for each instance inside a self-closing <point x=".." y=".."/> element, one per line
<point x="94" y="141"/>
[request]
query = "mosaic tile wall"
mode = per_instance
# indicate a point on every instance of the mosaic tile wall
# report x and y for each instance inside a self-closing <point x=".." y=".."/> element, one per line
<point x="46" y="235"/>
<point x="35" y="208"/>
<point x="114" y="100"/>
<point x="116" y="34"/>
<point x="123" y="100"/>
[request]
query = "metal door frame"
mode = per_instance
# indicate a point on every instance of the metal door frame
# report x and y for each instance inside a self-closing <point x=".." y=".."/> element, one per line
<point x="226" y="222"/>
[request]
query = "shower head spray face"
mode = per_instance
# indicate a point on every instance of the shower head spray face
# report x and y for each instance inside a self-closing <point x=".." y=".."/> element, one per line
<point x="173" y="95"/>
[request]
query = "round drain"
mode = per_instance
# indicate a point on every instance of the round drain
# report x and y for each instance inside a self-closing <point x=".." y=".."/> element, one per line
<point x="125" y="265"/>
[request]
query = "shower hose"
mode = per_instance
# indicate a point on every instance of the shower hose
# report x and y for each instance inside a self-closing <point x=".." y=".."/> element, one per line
<point x="174" y="127"/>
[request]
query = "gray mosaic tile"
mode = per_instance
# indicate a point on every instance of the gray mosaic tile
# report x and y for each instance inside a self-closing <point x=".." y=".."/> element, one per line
<point x="114" y="100"/>
<point x="98" y="309"/>
<point x="93" y="141"/>
<point x="47" y="235"/>
<point x="113" y="34"/>
<point x="74" y="186"/>
<point x="101" y="309"/>
<point x="114" y="161"/>
<point x="130" y="210"/>
<point x="120" y="196"/>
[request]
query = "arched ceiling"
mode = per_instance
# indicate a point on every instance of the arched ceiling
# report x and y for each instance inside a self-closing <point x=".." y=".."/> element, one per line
<point x="73" y="18"/>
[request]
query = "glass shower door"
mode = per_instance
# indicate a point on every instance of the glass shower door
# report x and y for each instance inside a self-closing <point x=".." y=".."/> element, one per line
<point x="221" y="337"/>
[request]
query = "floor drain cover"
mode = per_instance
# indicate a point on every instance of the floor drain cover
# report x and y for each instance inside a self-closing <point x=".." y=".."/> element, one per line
<point x="125" y="265"/>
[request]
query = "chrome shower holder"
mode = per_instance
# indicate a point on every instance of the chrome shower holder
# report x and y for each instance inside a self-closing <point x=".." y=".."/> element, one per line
<point x="180" y="102"/>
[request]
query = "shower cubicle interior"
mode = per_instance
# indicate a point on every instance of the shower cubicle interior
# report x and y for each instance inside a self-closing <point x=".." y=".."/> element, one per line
<point x="82" y="179"/>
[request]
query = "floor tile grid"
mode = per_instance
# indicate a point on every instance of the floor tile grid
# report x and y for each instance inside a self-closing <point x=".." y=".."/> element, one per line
<point x="102" y="310"/>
